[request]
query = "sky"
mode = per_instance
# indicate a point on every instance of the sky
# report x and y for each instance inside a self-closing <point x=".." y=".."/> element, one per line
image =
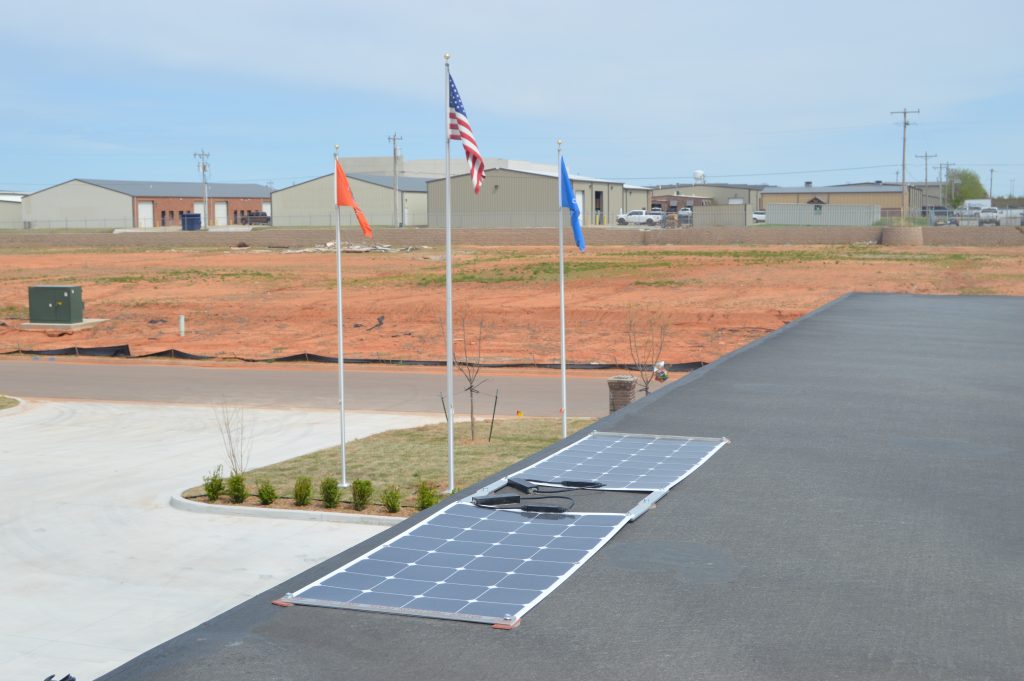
<point x="648" y="92"/>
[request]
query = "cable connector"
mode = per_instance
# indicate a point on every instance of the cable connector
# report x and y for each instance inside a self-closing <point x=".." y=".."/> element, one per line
<point x="521" y="485"/>
<point x="496" y="499"/>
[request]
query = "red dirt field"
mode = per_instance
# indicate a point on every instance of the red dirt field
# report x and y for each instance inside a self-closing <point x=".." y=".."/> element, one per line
<point x="261" y="304"/>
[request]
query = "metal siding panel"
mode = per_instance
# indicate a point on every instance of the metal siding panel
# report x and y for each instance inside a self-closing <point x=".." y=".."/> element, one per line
<point x="304" y="205"/>
<point x="77" y="204"/>
<point x="10" y="215"/>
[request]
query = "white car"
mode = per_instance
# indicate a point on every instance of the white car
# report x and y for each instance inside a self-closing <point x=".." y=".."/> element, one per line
<point x="759" y="216"/>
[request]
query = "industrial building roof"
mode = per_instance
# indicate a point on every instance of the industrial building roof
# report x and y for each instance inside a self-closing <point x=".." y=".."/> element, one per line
<point x="872" y="188"/>
<point x="724" y="185"/>
<point x="405" y="183"/>
<point x="816" y="545"/>
<point x="183" y="189"/>
<point x="548" y="171"/>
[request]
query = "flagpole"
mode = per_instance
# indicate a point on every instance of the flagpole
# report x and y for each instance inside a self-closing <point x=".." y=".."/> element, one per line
<point x="450" y="405"/>
<point x="561" y="287"/>
<point x="341" y="344"/>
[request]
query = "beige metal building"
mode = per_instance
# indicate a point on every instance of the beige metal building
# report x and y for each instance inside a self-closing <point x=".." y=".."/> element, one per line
<point x="10" y="210"/>
<point x="311" y="203"/>
<point x="513" y="197"/>
<point x="888" y="196"/>
<point x="721" y="194"/>
<point x="127" y="204"/>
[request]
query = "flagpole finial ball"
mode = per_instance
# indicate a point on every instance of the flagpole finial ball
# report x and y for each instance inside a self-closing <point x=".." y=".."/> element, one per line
<point x="447" y="56"/>
<point x="559" y="142"/>
<point x="336" y="147"/>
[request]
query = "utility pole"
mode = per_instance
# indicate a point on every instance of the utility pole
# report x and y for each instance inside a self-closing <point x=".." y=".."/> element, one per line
<point x="394" y="139"/>
<point x="991" y="172"/>
<point x="906" y="123"/>
<point x="947" y="189"/>
<point x="925" y="156"/>
<point x="204" y="166"/>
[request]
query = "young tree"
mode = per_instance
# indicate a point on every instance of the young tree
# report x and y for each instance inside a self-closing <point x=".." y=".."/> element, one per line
<point x="963" y="184"/>
<point x="470" y="369"/>
<point x="235" y="429"/>
<point x="646" y="332"/>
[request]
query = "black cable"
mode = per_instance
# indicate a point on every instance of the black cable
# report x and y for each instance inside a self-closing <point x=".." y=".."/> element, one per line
<point x="500" y="501"/>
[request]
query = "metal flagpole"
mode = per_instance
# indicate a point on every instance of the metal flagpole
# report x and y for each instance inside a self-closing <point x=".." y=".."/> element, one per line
<point x="561" y="286"/>
<point x="341" y="344"/>
<point x="448" y="276"/>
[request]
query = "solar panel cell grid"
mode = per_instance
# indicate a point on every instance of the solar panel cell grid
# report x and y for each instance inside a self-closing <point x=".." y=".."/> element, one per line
<point x="482" y="564"/>
<point x="488" y="565"/>
<point x="625" y="462"/>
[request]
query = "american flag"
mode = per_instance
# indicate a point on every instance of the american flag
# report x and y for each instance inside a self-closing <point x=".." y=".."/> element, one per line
<point x="460" y="129"/>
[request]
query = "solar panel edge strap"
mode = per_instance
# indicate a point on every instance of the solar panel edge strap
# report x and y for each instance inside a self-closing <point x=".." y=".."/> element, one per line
<point x="467" y="563"/>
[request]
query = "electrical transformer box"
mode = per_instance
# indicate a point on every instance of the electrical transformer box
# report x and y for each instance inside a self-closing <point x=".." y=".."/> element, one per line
<point x="55" y="304"/>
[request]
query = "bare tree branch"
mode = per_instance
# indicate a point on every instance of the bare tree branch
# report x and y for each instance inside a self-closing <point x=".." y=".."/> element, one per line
<point x="646" y="333"/>
<point x="470" y="369"/>
<point x="234" y="426"/>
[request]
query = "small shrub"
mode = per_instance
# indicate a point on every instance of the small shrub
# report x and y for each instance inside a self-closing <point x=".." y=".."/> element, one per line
<point x="362" y="492"/>
<point x="266" y="492"/>
<point x="391" y="499"/>
<point x="329" y="492"/>
<point x="213" y="484"/>
<point x="303" y="490"/>
<point x="236" y="488"/>
<point x="426" y="495"/>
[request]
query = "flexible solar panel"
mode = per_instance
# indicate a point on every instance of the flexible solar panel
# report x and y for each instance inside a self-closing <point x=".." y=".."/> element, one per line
<point x="467" y="563"/>
<point x="625" y="461"/>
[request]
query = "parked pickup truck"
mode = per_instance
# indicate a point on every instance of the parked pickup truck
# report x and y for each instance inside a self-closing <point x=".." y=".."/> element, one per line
<point x="258" y="217"/>
<point x="641" y="217"/>
<point x="988" y="216"/>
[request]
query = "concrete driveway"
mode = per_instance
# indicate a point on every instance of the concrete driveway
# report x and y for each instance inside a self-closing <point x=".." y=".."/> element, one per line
<point x="99" y="568"/>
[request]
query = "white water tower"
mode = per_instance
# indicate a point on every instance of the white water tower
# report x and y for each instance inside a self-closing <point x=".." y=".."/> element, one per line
<point x="698" y="177"/>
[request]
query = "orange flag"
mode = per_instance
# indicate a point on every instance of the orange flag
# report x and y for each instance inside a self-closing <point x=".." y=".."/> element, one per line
<point x="344" y="198"/>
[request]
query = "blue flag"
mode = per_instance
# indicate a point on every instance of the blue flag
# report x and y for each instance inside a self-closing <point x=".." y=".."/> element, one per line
<point x="569" y="201"/>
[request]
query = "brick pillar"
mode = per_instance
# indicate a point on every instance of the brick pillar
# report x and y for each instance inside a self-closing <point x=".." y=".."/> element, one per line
<point x="621" y="391"/>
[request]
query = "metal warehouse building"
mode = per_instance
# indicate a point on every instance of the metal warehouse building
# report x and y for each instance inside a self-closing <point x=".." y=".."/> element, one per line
<point x="719" y="194"/>
<point x="888" y="196"/>
<point x="126" y="204"/>
<point x="311" y="203"/>
<point x="528" y="198"/>
<point x="10" y="210"/>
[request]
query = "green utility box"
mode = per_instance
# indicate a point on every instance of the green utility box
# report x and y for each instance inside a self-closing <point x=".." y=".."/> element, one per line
<point x="55" y="304"/>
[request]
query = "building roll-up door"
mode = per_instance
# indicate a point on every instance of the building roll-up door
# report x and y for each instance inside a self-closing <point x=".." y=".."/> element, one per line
<point x="220" y="213"/>
<point x="145" y="214"/>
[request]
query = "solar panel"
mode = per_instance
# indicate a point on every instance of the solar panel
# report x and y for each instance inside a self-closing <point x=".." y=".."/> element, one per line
<point x="467" y="563"/>
<point x="626" y="462"/>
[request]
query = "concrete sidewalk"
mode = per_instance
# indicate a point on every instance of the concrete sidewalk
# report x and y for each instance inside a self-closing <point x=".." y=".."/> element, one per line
<point x="99" y="568"/>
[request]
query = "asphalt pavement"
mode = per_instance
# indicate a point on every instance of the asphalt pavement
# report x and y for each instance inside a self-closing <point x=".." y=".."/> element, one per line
<point x="864" y="523"/>
<point x="406" y="389"/>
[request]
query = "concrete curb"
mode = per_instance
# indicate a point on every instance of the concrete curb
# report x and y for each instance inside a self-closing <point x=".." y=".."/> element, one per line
<point x="20" y="406"/>
<point x="182" y="504"/>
